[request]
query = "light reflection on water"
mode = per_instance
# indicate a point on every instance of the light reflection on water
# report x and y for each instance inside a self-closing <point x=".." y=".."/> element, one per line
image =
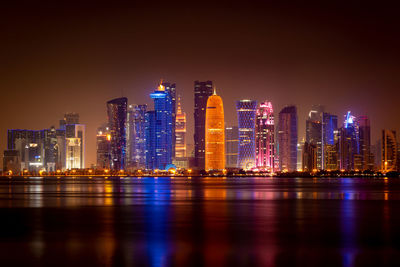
<point x="201" y="221"/>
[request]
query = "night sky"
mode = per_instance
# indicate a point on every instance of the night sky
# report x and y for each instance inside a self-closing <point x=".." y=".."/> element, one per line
<point x="59" y="57"/>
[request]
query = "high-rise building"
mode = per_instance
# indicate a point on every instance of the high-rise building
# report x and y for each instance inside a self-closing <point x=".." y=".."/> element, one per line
<point x="202" y="90"/>
<point x="348" y="144"/>
<point x="75" y="146"/>
<point x="389" y="151"/>
<point x="309" y="155"/>
<point x="117" y="113"/>
<point x="170" y="88"/>
<point x="50" y="146"/>
<point x="246" y="113"/>
<point x="231" y="146"/>
<point x="103" y="148"/>
<point x="180" y="132"/>
<point x="136" y="139"/>
<point x="38" y="150"/>
<point x="365" y="143"/>
<point x="265" y="137"/>
<point x="69" y="118"/>
<point x="287" y="139"/>
<point x="159" y="131"/>
<point x="314" y="132"/>
<point x="215" y="133"/>
<point x="329" y="138"/>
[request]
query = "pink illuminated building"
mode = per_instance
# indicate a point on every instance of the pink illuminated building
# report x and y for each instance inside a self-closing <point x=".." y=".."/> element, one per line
<point x="265" y="137"/>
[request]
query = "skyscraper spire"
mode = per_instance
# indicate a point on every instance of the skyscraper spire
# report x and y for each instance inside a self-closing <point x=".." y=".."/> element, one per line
<point x="215" y="90"/>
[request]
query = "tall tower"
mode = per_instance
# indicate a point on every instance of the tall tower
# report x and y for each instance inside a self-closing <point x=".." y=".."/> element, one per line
<point x="348" y="144"/>
<point x="215" y="134"/>
<point x="202" y="90"/>
<point x="287" y="139"/>
<point x="159" y="131"/>
<point x="231" y="146"/>
<point x="170" y="88"/>
<point x="329" y="149"/>
<point x="180" y="132"/>
<point x="136" y="147"/>
<point x="103" y="147"/>
<point x="117" y="111"/>
<point x="365" y="143"/>
<point x="246" y="112"/>
<point x="265" y="137"/>
<point x="389" y="150"/>
<point x="314" y="132"/>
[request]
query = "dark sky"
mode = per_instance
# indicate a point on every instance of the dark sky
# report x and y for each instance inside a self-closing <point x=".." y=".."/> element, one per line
<point x="59" y="57"/>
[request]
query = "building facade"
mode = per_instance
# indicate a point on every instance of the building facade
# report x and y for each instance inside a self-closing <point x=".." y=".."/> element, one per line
<point x="265" y="137"/>
<point x="389" y="151"/>
<point x="159" y="143"/>
<point x="348" y="144"/>
<point x="367" y="161"/>
<point x="136" y="138"/>
<point x="287" y="139"/>
<point x="231" y="146"/>
<point x="180" y="132"/>
<point x="117" y="118"/>
<point x="215" y="134"/>
<point x="103" y="148"/>
<point x="202" y="90"/>
<point x="246" y="113"/>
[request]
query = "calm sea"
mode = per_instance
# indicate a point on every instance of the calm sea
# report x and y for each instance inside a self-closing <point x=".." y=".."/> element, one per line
<point x="162" y="221"/>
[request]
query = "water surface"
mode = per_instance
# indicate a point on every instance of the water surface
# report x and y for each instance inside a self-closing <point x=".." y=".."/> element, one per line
<point x="162" y="221"/>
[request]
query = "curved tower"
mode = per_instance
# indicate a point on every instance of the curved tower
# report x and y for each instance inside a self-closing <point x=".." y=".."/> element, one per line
<point x="215" y="134"/>
<point x="265" y="137"/>
<point x="246" y="110"/>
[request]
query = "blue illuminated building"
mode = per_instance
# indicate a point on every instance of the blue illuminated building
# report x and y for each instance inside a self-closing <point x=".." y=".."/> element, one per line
<point x="136" y="148"/>
<point x="349" y="148"/>
<point x="159" y="145"/>
<point x="329" y="127"/>
<point x="246" y="112"/>
<point x="117" y="113"/>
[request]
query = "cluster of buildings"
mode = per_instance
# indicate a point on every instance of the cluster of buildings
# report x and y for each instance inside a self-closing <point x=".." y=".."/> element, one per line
<point x="49" y="150"/>
<point x="137" y="138"/>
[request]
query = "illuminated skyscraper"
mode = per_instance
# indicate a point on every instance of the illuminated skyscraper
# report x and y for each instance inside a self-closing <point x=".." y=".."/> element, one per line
<point x="309" y="155"/>
<point x="171" y="89"/>
<point x="180" y="132"/>
<point x="389" y="151"/>
<point x="215" y="134"/>
<point x="314" y="133"/>
<point x="287" y="139"/>
<point x="329" y="138"/>
<point x="202" y="90"/>
<point x="103" y="148"/>
<point x="69" y="118"/>
<point x="136" y="146"/>
<point x="365" y="143"/>
<point x="348" y="144"/>
<point x="265" y="137"/>
<point x="231" y="146"/>
<point x="117" y="113"/>
<point x="246" y="112"/>
<point x="159" y="131"/>
<point x="75" y="146"/>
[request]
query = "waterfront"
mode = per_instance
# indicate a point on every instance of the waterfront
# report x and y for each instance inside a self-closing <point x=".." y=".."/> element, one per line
<point x="167" y="221"/>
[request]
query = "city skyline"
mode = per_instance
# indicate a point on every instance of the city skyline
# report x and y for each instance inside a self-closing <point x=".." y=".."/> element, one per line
<point x="301" y="121"/>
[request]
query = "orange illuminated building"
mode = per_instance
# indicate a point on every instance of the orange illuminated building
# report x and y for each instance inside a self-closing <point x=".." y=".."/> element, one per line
<point x="215" y="133"/>
<point x="180" y="132"/>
